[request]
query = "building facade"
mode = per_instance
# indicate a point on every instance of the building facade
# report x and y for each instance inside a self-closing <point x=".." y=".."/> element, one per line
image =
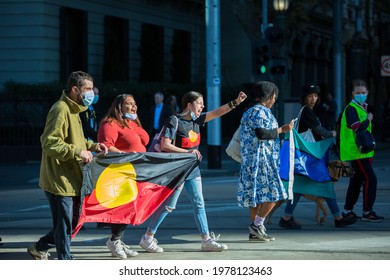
<point x="43" y="41"/>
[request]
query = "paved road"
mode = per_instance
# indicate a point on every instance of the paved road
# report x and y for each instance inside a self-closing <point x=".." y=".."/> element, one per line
<point x="24" y="216"/>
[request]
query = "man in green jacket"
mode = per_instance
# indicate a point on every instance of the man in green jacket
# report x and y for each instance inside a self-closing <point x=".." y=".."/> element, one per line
<point x="64" y="151"/>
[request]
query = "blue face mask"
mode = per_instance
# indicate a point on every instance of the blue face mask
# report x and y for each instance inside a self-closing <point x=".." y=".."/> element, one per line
<point x="95" y="99"/>
<point x="361" y="98"/>
<point x="193" y="117"/>
<point x="132" y="117"/>
<point x="88" y="97"/>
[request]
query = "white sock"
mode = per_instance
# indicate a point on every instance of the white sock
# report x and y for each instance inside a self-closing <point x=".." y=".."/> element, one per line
<point x="206" y="237"/>
<point x="258" y="221"/>
<point x="148" y="238"/>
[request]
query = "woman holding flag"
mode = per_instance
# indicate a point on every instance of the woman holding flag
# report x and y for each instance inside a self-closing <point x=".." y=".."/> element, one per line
<point x="121" y="131"/>
<point x="259" y="184"/>
<point x="309" y="121"/>
<point x="186" y="139"/>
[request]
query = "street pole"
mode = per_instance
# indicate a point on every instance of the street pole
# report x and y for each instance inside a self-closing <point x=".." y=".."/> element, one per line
<point x="337" y="53"/>
<point x="213" y="62"/>
<point x="265" y="18"/>
<point x="282" y="79"/>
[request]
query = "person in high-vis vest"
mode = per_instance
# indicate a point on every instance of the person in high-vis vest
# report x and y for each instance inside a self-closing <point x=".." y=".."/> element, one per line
<point x="356" y="118"/>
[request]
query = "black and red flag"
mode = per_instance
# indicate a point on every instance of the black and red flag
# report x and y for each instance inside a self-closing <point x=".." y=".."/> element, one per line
<point x="128" y="188"/>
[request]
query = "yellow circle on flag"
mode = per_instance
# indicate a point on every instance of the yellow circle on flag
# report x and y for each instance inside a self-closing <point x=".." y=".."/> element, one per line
<point x="193" y="136"/>
<point x="116" y="185"/>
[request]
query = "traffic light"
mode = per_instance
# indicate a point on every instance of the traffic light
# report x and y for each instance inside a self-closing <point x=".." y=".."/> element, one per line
<point x="261" y="57"/>
<point x="278" y="67"/>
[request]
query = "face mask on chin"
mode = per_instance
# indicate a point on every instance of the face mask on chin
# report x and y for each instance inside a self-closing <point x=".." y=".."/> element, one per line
<point x="193" y="116"/>
<point x="129" y="116"/>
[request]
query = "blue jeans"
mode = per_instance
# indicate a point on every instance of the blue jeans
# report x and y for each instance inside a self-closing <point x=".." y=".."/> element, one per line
<point x="62" y="216"/>
<point x="194" y="190"/>
<point x="332" y="204"/>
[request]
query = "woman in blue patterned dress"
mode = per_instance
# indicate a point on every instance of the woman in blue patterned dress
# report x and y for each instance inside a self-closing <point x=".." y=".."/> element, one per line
<point x="260" y="186"/>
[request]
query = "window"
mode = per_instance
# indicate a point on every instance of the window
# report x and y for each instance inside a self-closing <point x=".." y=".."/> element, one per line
<point x="116" y="49"/>
<point x="181" y="57"/>
<point x="152" y="53"/>
<point x="73" y="42"/>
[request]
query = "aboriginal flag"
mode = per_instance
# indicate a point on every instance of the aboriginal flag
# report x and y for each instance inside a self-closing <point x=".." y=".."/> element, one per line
<point x="128" y="188"/>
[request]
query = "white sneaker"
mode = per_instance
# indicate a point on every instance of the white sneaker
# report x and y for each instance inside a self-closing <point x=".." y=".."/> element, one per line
<point x="38" y="255"/>
<point x="210" y="245"/>
<point x="128" y="251"/>
<point x="116" y="248"/>
<point x="151" y="247"/>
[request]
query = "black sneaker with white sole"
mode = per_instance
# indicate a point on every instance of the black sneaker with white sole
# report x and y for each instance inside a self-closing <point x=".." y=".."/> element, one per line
<point x="372" y="217"/>
<point x="260" y="233"/>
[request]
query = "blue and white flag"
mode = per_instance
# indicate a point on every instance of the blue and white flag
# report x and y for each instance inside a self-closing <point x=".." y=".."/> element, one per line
<point x="303" y="166"/>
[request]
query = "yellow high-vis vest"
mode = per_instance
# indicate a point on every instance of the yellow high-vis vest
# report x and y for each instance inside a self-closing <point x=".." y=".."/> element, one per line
<point x="348" y="147"/>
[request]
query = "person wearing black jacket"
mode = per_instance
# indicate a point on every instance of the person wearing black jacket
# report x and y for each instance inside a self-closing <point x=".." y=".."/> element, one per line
<point x="309" y="121"/>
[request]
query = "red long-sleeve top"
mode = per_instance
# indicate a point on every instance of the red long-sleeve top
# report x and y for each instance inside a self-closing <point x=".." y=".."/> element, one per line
<point x="128" y="139"/>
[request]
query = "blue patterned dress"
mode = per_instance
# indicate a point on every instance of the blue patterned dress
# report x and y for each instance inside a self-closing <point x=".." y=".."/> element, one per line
<point x="259" y="179"/>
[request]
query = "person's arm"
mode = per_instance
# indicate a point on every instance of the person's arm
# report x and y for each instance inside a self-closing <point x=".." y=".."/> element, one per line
<point x="268" y="134"/>
<point x="312" y="122"/>
<point x="353" y="120"/>
<point x="168" y="147"/>
<point x="226" y="108"/>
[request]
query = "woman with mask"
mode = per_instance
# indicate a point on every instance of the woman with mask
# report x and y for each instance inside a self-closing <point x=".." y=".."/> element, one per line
<point x="187" y="140"/>
<point x="355" y="118"/>
<point x="121" y="131"/>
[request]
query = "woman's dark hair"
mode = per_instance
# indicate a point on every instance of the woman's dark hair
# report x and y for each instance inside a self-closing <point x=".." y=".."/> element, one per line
<point x="189" y="97"/>
<point x="264" y="91"/>
<point x="309" y="89"/>
<point x="115" y="112"/>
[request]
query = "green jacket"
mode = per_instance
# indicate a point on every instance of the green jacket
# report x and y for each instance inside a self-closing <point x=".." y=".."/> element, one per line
<point x="62" y="142"/>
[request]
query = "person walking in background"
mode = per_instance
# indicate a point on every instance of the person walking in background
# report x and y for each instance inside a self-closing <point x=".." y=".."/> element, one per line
<point x="187" y="140"/>
<point x="355" y="118"/>
<point x="89" y="119"/>
<point x="64" y="151"/>
<point x="259" y="184"/>
<point x="308" y="120"/>
<point x="121" y="131"/>
<point x="172" y="103"/>
<point x="329" y="112"/>
<point x="158" y="114"/>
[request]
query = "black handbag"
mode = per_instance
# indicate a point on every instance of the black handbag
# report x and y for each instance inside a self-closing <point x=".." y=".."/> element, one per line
<point x="365" y="141"/>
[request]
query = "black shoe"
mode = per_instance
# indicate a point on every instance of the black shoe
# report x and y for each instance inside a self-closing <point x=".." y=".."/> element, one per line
<point x="289" y="224"/>
<point x="345" y="221"/>
<point x="372" y="217"/>
<point x="352" y="215"/>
